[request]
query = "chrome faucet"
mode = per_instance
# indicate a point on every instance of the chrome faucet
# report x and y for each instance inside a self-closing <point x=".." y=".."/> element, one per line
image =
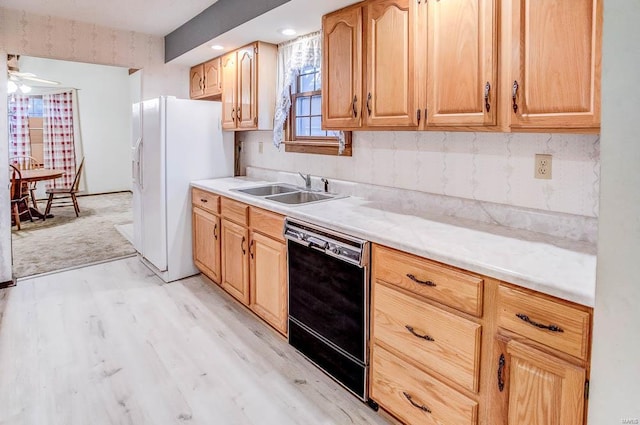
<point x="307" y="180"/>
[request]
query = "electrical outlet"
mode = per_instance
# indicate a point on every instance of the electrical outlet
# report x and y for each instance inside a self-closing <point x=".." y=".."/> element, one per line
<point x="543" y="166"/>
<point x="260" y="147"/>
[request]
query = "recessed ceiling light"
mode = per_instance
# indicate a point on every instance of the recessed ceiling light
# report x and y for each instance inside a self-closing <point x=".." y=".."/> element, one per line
<point x="288" y="31"/>
<point x="217" y="47"/>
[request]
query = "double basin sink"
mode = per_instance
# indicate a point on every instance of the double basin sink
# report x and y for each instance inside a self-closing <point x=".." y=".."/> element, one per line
<point x="286" y="194"/>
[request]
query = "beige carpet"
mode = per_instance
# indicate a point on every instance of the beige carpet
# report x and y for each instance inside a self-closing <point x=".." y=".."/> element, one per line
<point x="68" y="241"/>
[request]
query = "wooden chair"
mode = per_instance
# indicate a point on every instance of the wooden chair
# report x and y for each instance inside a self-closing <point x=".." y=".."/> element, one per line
<point x="19" y="199"/>
<point x="25" y="162"/>
<point x="64" y="193"/>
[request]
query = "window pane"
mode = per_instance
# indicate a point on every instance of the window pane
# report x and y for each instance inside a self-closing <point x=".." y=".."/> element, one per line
<point x="303" y="127"/>
<point x="316" y="127"/>
<point x="303" y="106"/>
<point x="318" y="81"/>
<point x="306" y="83"/>
<point x="316" y="105"/>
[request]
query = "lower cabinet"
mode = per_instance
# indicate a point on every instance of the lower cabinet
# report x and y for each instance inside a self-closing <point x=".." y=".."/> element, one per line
<point x="543" y="389"/>
<point x="443" y="357"/>
<point x="206" y="243"/>
<point x="244" y="251"/>
<point x="269" y="280"/>
<point x="235" y="260"/>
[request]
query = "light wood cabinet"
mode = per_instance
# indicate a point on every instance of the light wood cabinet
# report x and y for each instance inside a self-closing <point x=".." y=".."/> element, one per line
<point x="555" y="53"/>
<point x="543" y="390"/>
<point x="342" y="100"/>
<point x="433" y="65"/>
<point x="391" y="96"/>
<point x="204" y="80"/>
<point x="206" y="243"/>
<point x="235" y="260"/>
<point x="196" y="82"/>
<point x="269" y="280"/>
<point x="461" y="62"/>
<point x="212" y="78"/>
<point x="248" y="87"/>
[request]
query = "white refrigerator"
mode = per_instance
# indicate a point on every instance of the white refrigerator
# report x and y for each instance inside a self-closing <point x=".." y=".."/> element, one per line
<point x="175" y="141"/>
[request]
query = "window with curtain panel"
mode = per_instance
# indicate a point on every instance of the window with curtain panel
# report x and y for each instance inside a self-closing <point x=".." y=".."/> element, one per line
<point x="298" y="116"/>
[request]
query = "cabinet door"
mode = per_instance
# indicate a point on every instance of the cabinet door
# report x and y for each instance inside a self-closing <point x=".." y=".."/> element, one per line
<point x="235" y="260"/>
<point x="196" y="81"/>
<point x="229" y="93"/>
<point x="391" y="95"/>
<point x="461" y="64"/>
<point x="247" y="109"/>
<point x="342" y="69"/>
<point x="269" y="280"/>
<point x="543" y="390"/>
<point x="206" y="243"/>
<point x="212" y="80"/>
<point x="556" y="50"/>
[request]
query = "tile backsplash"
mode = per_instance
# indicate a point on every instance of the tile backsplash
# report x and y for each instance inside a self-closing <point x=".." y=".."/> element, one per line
<point x="493" y="167"/>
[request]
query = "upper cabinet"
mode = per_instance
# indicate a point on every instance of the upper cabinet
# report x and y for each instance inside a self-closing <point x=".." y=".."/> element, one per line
<point x="342" y="103"/>
<point x="204" y="80"/>
<point x="196" y="82"/>
<point x="461" y="64"/>
<point x="439" y="65"/>
<point x="390" y="31"/>
<point x="212" y="78"/>
<point x="555" y="63"/>
<point x="249" y="87"/>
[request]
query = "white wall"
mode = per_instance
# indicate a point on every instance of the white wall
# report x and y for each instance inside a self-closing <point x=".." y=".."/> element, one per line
<point x="615" y="378"/>
<point x="55" y="38"/>
<point x="494" y="167"/>
<point x="105" y="119"/>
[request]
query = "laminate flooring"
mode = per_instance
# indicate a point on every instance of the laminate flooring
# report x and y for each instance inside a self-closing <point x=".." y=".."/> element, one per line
<point x="113" y="344"/>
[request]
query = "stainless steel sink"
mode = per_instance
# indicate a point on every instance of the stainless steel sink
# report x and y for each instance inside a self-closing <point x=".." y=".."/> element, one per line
<point x="301" y="197"/>
<point x="270" y="189"/>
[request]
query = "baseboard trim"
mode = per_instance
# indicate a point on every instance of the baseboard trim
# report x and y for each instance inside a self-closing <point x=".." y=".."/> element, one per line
<point x="8" y="284"/>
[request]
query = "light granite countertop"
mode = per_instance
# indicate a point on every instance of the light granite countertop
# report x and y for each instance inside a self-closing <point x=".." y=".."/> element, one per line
<point x="554" y="266"/>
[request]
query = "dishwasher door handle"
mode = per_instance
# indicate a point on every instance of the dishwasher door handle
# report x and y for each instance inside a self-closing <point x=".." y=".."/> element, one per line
<point x="317" y="243"/>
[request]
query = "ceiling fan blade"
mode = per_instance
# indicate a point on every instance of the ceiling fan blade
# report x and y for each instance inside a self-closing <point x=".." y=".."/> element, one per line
<point x="40" y="80"/>
<point x="22" y="74"/>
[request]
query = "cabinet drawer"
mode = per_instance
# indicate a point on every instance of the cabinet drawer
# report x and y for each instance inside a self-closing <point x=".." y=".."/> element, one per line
<point x="454" y="288"/>
<point x="266" y="222"/>
<point x="414" y="396"/>
<point x="525" y="314"/>
<point x="205" y="200"/>
<point x="430" y="337"/>
<point x="235" y="211"/>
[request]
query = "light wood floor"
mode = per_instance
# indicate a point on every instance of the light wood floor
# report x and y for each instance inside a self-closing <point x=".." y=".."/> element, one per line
<point x="112" y="344"/>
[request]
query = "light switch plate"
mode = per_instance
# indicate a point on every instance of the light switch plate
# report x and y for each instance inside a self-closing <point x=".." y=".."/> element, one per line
<point x="542" y="166"/>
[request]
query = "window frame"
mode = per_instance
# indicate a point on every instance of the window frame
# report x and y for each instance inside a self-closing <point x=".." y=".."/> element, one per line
<point x="323" y="145"/>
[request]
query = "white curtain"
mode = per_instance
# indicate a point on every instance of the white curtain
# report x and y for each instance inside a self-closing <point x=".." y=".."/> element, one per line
<point x="293" y="57"/>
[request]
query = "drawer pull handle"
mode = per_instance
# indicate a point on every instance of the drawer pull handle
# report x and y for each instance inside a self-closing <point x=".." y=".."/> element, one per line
<point x="552" y="328"/>
<point x="244" y="251"/>
<point x="420" y="282"/>
<point x="251" y="248"/>
<point x="501" y="363"/>
<point x="414" y="333"/>
<point x="215" y="231"/>
<point x="203" y="200"/>
<point x="414" y="404"/>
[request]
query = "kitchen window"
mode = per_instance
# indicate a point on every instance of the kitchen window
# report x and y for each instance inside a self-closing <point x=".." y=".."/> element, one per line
<point x="304" y="131"/>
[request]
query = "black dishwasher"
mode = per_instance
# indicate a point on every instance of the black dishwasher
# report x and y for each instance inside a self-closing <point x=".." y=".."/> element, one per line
<point x="328" y="301"/>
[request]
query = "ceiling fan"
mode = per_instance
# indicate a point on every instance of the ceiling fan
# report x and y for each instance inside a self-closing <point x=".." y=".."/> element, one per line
<point x="19" y="80"/>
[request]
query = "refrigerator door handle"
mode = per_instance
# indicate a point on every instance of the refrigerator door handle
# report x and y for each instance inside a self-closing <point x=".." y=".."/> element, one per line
<point x="140" y="165"/>
<point x="135" y="161"/>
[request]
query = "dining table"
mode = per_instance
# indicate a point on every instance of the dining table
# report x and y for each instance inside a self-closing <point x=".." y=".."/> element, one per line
<point x="35" y="175"/>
